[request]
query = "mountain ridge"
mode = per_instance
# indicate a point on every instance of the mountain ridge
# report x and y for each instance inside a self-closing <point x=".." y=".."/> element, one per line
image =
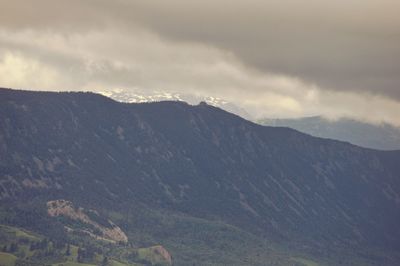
<point x="136" y="96"/>
<point x="382" y="137"/>
<point x="200" y="161"/>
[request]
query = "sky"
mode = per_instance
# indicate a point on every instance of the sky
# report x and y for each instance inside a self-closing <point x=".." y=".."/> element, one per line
<point x="277" y="59"/>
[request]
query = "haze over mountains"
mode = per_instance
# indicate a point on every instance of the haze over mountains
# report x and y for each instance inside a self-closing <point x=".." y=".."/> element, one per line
<point x="376" y="136"/>
<point x="382" y="136"/>
<point x="140" y="133"/>
<point x="160" y="171"/>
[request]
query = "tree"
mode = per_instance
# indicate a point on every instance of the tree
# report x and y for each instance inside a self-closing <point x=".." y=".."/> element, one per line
<point x="105" y="261"/>
<point x="43" y="244"/>
<point x="80" y="255"/>
<point x="68" y="251"/>
<point x="13" y="247"/>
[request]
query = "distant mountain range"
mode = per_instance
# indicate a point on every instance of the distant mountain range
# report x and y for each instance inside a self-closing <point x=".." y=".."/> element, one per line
<point x="381" y="137"/>
<point x="208" y="186"/>
<point x="136" y="96"/>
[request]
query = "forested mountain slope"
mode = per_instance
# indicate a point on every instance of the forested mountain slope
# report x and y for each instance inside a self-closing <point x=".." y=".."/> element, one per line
<point x="199" y="162"/>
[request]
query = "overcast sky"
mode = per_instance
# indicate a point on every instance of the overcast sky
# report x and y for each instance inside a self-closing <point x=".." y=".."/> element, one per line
<point x="274" y="58"/>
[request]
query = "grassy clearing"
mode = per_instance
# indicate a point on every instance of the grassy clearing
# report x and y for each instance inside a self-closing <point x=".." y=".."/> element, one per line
<point x="146" y="254"/>
<point x="7" y="259"/>
<point x="19" y="233"/>
<point x="117" y="263"/>
<point x="73" y="253"/>
<point x="306" y="262"/>
<point x="72" y="263"/>
<point x="153" y="255"/>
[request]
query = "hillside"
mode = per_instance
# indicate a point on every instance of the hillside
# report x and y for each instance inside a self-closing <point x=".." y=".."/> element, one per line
<point x="381" y="137"/>
<point x="198" y="180"/>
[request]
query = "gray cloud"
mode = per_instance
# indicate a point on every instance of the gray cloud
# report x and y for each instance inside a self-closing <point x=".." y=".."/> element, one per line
<point x="276" y="58"/>
<point x="339" y="45"/>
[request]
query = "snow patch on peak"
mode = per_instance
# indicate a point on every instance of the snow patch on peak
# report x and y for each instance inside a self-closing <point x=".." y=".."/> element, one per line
<point x="137" y="96"/>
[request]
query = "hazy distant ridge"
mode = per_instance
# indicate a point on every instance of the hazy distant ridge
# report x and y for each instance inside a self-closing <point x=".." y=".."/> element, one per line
<point x="382" y="137"/>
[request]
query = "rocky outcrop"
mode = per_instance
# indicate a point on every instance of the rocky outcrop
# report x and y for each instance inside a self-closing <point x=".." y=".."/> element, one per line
<point x="160" y="250"/>
<point x="66" y="208"/>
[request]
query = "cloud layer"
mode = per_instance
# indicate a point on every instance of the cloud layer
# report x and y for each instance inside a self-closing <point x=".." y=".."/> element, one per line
<point x="274" y="58"/>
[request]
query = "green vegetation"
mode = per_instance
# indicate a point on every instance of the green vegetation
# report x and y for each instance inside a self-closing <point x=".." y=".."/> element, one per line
<point x="18" y="233"/>
<point x="305" y="262"/>
<point x="211" y="188"/>
<point x="151" y="255"/>
<point x="7" y="259"/>
<point x="196" y="241"/>
<point x="22" y="247"/>
<point x="71" y="263"/>
<point x="116" y="263"/>
<point x="189" y="240"/>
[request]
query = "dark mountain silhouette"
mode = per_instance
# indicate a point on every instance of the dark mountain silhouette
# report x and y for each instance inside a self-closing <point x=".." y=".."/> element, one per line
<point x="202" y="162"/>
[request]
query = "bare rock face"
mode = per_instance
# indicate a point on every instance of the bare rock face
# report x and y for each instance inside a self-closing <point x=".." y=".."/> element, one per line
<point x="66" y="208"/>
<point x="155" y="255"/>
<point x="160" y="250"/>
